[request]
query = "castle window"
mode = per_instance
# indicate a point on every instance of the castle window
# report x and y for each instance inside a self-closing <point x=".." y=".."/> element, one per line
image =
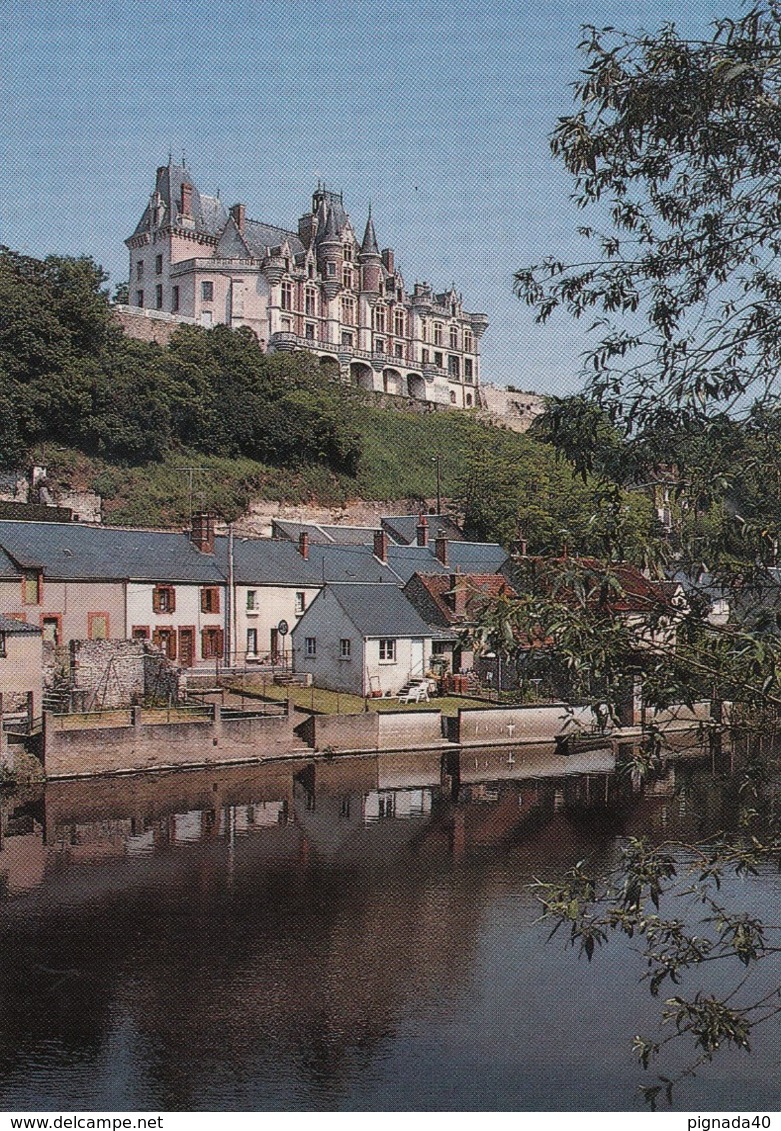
<point x="331" y="268"/>
<point x="310" y="270"/>
<point x="139" y="298"/>
<point x="399" y="323"/>
<point x="437" y="333"/>
<point x="382" y="287"/>
<point x="438" y="360"/>
<point x="286" y="297"/>
<point x="423" y="330"/>
<point x="174" y="299"/>
<point x="348" y="252"/>
<point x="424" y="357"/>
<point x="158" y="265"/>
<point x="453" y="309"/>
<point x="347" y="339"/>
<point x="348" y="310"/>
<point x="379" y="318"/>
<point x="468" y="368"/>
<point x="159" y="296"/>
<point x="379" y="345"/>
<point x="309" y="301"/>
<point x="454" y="337"/>
<point x="399" y="294"/>
<point x="207" y="291"/>
<point x="309" y="331"/>
<point x="140" y="269"/>
<point x="347" y="277"/>
<point x="399" y="351"/>
<point x="468" y="346"/>
<point x="453" y="366"/>
<point x="452" y="398"/>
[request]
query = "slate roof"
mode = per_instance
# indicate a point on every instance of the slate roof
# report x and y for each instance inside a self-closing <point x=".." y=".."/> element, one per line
<point x="208" y="212"/>
<point x="71" y="551"/>
<point x="476" y="557"/>
<point x="323" y="534"/>
<point x="377" y="610"/>
<point x="277" y="562"/>
<point x="403" y="528"/>
<point x="18" y="627"/>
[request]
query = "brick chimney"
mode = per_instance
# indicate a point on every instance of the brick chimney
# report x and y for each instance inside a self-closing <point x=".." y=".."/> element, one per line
<point x="421" y="531"/>
<point x="303" y="545"/>
<point x="440" y="547"/>
<point x="381" y="545"/>
<point x="458" y="594"/>
<point x="202" y="533"/>
<point x="519" y="548"/>
<point x="187" y="199"/>
<point x="388" y="260"/>
<point x="239" y="214"/>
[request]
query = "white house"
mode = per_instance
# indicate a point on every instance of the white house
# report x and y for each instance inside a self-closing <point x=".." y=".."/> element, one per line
<point x="362" y="638"/>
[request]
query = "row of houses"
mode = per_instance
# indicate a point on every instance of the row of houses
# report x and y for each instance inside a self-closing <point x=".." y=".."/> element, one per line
<point x="204" y="597"/>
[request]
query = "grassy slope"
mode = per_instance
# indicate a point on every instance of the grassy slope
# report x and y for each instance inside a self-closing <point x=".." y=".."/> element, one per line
<point x="397" y="462"/>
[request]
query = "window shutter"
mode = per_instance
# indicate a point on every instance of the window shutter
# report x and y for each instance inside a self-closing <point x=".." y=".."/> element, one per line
<point x="204" y="600"/>
<point x="219" y="642"/>
<point x="204" y="644"/>
<point x="156" y="602"/>
<point x="172" y="604"/>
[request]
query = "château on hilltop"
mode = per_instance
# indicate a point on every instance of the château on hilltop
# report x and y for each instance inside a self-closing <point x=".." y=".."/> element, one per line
<point x="319" y="288"/>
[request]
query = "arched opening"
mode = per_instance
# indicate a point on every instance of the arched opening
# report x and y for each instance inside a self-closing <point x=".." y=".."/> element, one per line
<point x="392" y="382"/>
<point x="362" y="375"/>
<point x="452" y="398"/>
<point x="468" y="400"/>
<point x="329" y="367"/>
<point x="416" y="387"/>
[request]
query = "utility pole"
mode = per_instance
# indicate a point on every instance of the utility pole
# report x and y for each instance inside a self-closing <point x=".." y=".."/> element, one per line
<point x="437" y="461"/>
<point x="190" y="472"/>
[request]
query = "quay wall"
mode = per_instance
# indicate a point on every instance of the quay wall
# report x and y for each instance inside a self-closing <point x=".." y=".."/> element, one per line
<point x="374" y="730"/>
<point x="512" y="725"/>
<point x="138" y="746"/>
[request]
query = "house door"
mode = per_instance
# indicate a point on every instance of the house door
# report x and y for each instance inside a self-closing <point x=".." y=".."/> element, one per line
<point x="186" y="647"/>
<point x="274" y="645"/>
<point x="416" y="656"/>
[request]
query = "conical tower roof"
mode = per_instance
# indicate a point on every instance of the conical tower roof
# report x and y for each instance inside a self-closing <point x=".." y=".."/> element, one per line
<point x="370" y="247"/>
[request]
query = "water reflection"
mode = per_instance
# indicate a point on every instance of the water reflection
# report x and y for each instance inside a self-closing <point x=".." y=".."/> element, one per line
<point x="354" y="933"/>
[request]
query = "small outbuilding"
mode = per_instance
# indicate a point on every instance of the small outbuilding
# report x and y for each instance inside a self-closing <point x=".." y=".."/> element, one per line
<point x="362" y="638"/>
<point x="21" y="668"/>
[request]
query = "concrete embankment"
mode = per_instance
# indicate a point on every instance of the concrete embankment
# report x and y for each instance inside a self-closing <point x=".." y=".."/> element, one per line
<point x="223" y="738"/>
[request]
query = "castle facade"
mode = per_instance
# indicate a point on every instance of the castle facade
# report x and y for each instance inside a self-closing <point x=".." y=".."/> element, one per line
<point x="318" y="288"/>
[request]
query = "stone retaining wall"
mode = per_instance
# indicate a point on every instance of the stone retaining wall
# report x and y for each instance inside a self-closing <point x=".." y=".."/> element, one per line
<point x="209" y="740"/>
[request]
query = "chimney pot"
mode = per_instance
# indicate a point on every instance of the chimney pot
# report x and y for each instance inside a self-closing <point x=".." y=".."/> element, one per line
<point x="202" y="533"/>
<point x="381" y="545"/>
<point x="440" y="547"/>
<point x="421" y="530"/>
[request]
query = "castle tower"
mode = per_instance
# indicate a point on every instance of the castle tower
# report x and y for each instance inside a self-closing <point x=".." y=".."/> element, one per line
<point x="329" y="252"/>
<point x="370" y="259"/>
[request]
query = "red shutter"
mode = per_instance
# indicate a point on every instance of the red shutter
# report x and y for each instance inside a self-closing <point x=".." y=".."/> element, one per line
<point x="204" y="600"/>
<point x="172" y="602"/>
<point x="156" y="601"/>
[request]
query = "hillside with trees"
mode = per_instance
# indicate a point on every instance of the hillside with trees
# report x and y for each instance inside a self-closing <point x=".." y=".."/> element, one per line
<point x="123" y="417"/>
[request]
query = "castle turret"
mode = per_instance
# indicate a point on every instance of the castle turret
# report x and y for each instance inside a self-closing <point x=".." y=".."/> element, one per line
<point x="370" y="259"/>
<point x="329" y="252"/>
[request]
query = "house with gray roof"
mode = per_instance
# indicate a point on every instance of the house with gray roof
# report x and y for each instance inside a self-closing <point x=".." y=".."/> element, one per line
<point x="21" y="670"/>
<point x="363" y="638"/>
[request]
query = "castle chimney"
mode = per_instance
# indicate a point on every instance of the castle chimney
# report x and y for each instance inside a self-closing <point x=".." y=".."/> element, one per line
<point x="388" y="260"/>
<point x="381" y="545"/>
<point x="421" y="531"/>
<point x="202" y="533"/>
<point x="440" y="547"/>
<point x="303" y="545"/>
<point x="458" y="595"/>
<point x="239" y="214"/>
<point x="187" y="199"/>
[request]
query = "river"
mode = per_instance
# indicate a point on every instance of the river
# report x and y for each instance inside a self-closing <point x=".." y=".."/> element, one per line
<point x="351" y="934"/>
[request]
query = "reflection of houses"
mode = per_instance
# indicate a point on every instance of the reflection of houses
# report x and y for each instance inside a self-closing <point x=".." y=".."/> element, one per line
<point x="364" y="639"/>
<point x="319" y="288"/>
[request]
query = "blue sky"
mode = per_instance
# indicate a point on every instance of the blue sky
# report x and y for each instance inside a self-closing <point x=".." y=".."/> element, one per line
<point x="437" y="112"/>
